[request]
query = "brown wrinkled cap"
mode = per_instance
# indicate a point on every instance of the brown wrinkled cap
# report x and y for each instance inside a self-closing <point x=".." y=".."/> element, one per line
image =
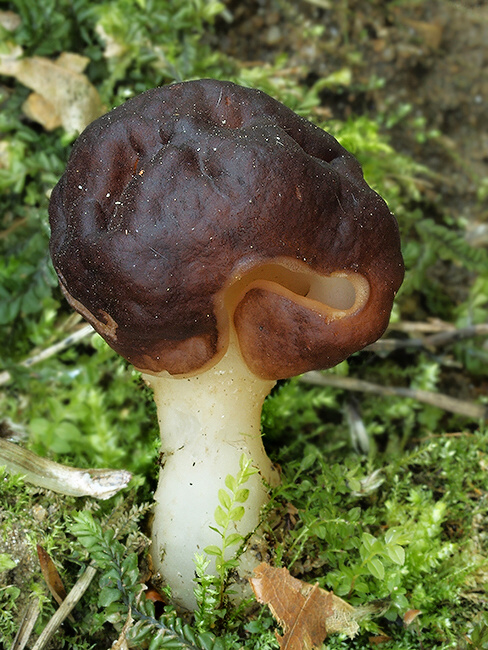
<point x="203" y="206"/>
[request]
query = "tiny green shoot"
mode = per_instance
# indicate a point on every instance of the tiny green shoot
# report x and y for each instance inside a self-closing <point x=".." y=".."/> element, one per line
<point x="230" y="511"/>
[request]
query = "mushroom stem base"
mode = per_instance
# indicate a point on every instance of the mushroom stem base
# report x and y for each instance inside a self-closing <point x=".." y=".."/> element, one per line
<point x="207" y="422"/>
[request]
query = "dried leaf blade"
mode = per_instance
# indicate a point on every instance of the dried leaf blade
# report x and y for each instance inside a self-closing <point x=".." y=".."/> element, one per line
<point x="304" y="611"/>
<point x="51" y="575"/>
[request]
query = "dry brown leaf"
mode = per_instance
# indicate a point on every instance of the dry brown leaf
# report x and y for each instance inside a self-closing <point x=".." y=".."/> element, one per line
<point x="379" y="639"/>
<point x="153" y="594"/>
<point x="410" y="616"/>
<point x="51" y="575"/>
<point x="40" y="110"/>
<point x="72" y="61"/>
<point x="62" y="95"/>
<point x="305" y="612"/>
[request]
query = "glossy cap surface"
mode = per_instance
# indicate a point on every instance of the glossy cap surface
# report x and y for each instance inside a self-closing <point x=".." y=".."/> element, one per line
<point x="202" y="207"/>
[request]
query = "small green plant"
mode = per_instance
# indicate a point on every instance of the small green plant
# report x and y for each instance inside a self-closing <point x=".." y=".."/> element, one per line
<point x="122" y="596"/>
<point x="230" y="511"/>
<point x="207" y="594"/>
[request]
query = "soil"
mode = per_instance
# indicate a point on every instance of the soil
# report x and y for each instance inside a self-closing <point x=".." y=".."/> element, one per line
<point x="421" y="63"/>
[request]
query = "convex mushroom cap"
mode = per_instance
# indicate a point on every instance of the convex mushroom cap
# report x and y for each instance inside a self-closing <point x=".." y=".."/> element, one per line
<point x="202" y="207"/>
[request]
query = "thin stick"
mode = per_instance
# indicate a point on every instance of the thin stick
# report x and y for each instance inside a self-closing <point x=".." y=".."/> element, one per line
<point x="444" y="402"/>
<point x="66" y="608"/>
<point x="441" y="337"/>
<point x="29" y="619"/>
<point x="422" y="327"/>
<point x="97" y="483"/>
<point x="441" y="334"/>
<point x="77" y="336"/>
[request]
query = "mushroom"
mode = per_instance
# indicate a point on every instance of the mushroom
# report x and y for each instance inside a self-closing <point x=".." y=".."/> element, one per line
<point x="219" y="242"/>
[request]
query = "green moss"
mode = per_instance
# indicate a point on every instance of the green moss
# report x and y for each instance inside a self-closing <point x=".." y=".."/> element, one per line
<point x="405" y="523"/>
